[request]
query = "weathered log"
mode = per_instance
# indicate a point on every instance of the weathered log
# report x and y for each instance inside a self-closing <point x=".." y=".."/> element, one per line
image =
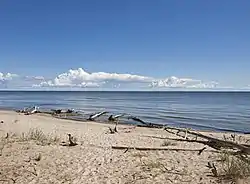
<point x="214" y="142"/>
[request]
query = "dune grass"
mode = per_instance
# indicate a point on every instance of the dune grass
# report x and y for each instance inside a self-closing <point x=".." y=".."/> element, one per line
<point x="39" y="137"/>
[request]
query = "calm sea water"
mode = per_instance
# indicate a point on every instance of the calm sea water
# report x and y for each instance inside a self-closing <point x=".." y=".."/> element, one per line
<point x="200" y="110"/>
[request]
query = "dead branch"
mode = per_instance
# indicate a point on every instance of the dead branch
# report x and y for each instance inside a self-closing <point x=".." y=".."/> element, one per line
<point x="14" y="180"/>
<point x="156" y="149"/>
<point x="111" y="131"/>
<point x="177" y="134"/>
<point x="126" y="150"/>
<point x="214" y="142"/>
<point x="201" y="150"/>
<point x="213" y="168"/>
<point x="71" y="142"/>
<point x="208" y="143"/>
<point x="115" y="129"/>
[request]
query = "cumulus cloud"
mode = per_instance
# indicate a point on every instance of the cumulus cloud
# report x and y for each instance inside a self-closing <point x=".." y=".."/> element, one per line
<point x="14" y="81"/>
<point x="7" y="77"/>
<point x="80" y="74"/>
<point x="79" y="78"/>
<point x="50" y="83"/>
<point x="175" y="82"/>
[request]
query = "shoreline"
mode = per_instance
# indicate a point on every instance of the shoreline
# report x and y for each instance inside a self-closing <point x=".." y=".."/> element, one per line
<point x="83" y="120"/>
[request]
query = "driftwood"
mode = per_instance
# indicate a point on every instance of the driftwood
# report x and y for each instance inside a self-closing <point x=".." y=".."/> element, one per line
<point x="211" y="141"/>
<point x="201" y="150"/>
<point x="113" y="130"/>
<point x="7" y="136"/>
<point x="156" y="149"/>
<point x="186" y="140"/>
<point x="213" y="168"/>
<point x="71" y="142"/>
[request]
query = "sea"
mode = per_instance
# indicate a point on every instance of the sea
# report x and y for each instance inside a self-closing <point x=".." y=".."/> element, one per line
<point x="217" y="111"/>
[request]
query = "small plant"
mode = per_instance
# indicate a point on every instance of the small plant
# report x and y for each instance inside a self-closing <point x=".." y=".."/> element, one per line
<point x="3" y="142"/>
<point x="234" y="167"/>
<point x="38" y="158"/>
<point x="150" y="165"/>
<point x="39" y="136"/>
<point x="168" y="143"/>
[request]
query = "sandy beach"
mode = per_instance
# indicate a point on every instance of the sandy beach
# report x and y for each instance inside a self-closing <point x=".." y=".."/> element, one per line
<point x="32" y="152"/>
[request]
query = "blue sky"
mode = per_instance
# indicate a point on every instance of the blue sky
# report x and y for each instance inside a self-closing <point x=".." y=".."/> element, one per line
<point x="205" y="40"/>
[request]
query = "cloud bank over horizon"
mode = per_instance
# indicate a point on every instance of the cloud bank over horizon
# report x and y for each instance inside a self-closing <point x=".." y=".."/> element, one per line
<point x="81" y="79"/>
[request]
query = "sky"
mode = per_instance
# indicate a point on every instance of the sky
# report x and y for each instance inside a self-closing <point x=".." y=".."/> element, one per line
<point x="125" y="44"/>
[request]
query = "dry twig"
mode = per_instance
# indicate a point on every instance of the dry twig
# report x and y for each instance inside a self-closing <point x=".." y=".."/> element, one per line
<point x="155" y="149"/>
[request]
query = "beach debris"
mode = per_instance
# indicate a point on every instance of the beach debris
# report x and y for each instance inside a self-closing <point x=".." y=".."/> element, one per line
<point x="111" y="130"/>
<point x="233" y="137"/>
<point x="114" y="130"/>
<point x="145" y="124"/>
<point x="29" y="110"/>
<point x="125" y="151"/>
<point x="115" y="117"/>
<point x="186" y="134"/>
<point x="212" y="142"/>
<point x="96" y="115"/>
<point x="224" y="136"/>
<point x="137" y="119"/>
<point x="63" y="112"/>
<point x="211" y="166"/>
<point x="199" y="153"/>
<point x="38" y="157"/>
<point x="154" y="149"/>
<point x="56" y="111"/>
<point x="70" y="110"/>
<point x="7" y="135"/>
<point x="71" y="142"/>
<point x="33" y="110"/>
<point x="22" y="111"/>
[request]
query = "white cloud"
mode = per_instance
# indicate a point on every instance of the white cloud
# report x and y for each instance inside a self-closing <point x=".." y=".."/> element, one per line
<point x="82" y="84"/>
<point x="80" y="74"/>
<point x="41" y="78"/>
<point x="174" y="82"/>
<point x="7" y="77"/>
<point x="79" y="78"/>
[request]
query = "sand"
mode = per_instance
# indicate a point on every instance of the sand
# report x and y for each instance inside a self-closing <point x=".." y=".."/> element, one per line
<point x="93" y="160"/>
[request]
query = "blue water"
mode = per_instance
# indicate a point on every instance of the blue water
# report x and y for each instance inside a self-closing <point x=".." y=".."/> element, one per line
<point x="200" y="110"/>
